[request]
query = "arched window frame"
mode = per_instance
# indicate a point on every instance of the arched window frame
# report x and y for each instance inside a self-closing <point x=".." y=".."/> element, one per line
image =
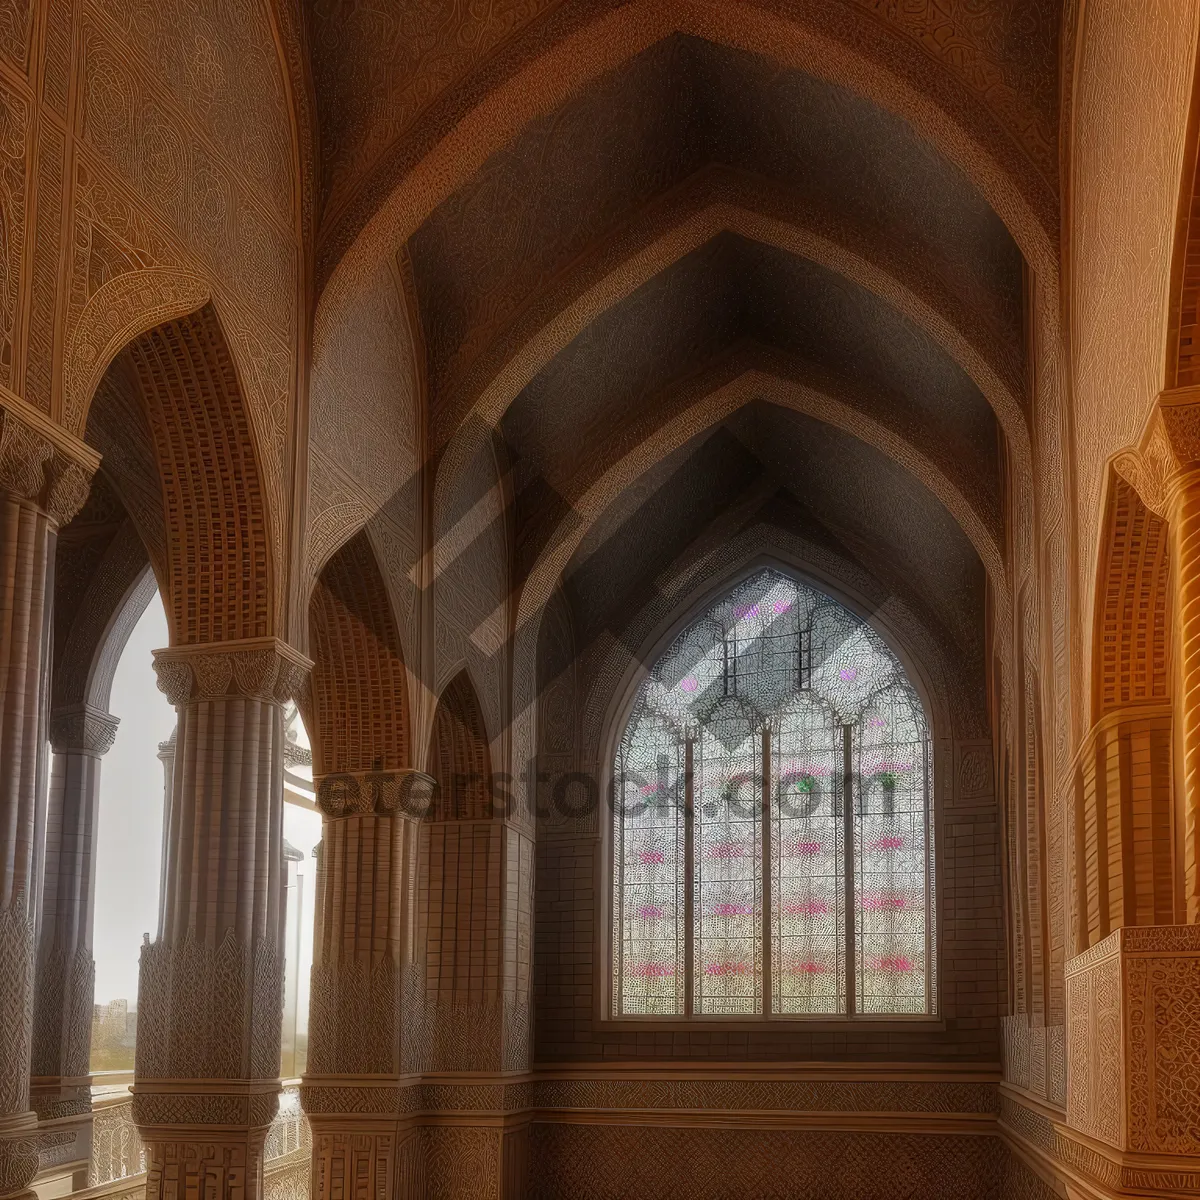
<point x="619" y="716"/>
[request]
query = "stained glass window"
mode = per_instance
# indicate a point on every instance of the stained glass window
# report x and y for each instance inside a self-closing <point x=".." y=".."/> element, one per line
<point x="772" y="835"/>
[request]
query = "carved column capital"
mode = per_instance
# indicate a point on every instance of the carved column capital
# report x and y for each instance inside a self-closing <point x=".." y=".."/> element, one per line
<point x="1167" y="455"/>
<point x="254" y="668"/>
<point x="83" y="729"/>
<point x="42" y="463"/>
<point x="405" y="793"/>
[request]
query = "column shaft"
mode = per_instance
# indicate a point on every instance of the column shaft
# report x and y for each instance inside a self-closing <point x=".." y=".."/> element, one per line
<point x="64" y="992"/>
<point x="366" y="1025"/>
<point x="44" y="479"/>
<point x="210" y="992"/>
<point x="1185" y="545"/>
<point x="25" y="557"/>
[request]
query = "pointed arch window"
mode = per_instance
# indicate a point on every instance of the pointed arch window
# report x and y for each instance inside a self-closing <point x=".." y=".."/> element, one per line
<point x="772" y="823"/>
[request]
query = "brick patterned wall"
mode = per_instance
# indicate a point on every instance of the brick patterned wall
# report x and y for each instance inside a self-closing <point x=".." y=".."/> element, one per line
<point x="358" y="711"/>
<point x="599" y="1162"/>
<point x="461" y="911"/>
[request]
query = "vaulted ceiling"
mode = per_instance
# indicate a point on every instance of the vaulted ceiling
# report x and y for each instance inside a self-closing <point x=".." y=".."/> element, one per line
<point x="692" y="279"/>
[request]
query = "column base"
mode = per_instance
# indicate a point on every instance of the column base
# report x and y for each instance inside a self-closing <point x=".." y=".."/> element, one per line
<point x="64" y="1109"/>
<point x="19" y="1157"/>
<point x="209" y="1161"/>
<point x="373" y="1136"/>
<point x="1133" y="1052"/>
<point x="1121" y="1173"/>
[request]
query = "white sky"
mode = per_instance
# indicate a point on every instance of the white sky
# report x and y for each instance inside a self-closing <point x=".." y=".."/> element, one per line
<point x="129" y="836"/>
<point x="129" y="833"/>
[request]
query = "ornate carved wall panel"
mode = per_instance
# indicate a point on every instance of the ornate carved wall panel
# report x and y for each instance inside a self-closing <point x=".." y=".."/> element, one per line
<point x="365" y="396"/>
<point x="178" y="166"/>
<point x="1135" y="73"/>
<point x="14" y="132"/>
<point x="1133" y="1045"/>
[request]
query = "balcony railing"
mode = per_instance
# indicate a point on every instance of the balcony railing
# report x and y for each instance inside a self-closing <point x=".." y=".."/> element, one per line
<point x="118" y="1166"/>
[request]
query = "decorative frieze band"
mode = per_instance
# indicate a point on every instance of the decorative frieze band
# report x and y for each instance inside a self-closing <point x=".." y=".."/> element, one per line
<point x="173" y="1109"/>
<point x="41" y="463"/>
<point x="254" y="668"/>
<point x="345" y="1096"/>
<point x="83" y="729"/>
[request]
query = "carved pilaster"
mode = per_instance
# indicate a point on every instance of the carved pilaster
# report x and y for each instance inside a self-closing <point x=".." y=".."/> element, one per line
<point x="166" y="756"/>
<point x="1165" y="471"/>
<point x="18" y="1125"/>
<point x="210" y="992"/>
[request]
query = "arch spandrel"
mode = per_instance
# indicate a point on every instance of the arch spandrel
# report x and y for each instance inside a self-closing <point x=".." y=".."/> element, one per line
<point x="118" y="313"/>
<point x="91" y="635"/>
<point x="364" y="422"/>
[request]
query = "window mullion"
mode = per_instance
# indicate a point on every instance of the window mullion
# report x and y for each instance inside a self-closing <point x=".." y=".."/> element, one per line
<point x="622" y="925"/>
<point x="848" y="869"/>
<point x="927" y="763"/>
<point x="689" y="876"/>
<point x="766" y="868"/>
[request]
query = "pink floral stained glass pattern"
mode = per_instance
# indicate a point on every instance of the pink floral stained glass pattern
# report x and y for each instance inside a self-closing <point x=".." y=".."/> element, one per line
<point x="807" y="888"/>
<point x="727" y="886"/>
<point x="806" y="894"/>
<point x="891" y="851"/>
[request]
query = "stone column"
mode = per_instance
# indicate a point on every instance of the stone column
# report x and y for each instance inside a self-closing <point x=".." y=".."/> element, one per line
<point x="166" y="756"/>
<point x="62" y="1026"/>
<point x="1184" y="521"/>
<point x="1165" y="471"/>
<point x="44" y="480"/>
<point x="210" y="993"/>
<point x="366" y="1030"/>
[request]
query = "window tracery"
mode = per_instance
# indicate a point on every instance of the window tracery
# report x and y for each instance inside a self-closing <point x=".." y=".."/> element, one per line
<point x="772" y="824"/>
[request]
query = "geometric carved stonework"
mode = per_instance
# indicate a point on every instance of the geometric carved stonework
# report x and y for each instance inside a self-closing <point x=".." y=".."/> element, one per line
<point x="1133" y="1059"/>
<point x="974" y="770"/>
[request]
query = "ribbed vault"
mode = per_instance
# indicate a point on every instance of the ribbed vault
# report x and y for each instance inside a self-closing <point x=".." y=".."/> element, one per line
<point x="407" y="100"/>
<point x="702" y="276"/>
